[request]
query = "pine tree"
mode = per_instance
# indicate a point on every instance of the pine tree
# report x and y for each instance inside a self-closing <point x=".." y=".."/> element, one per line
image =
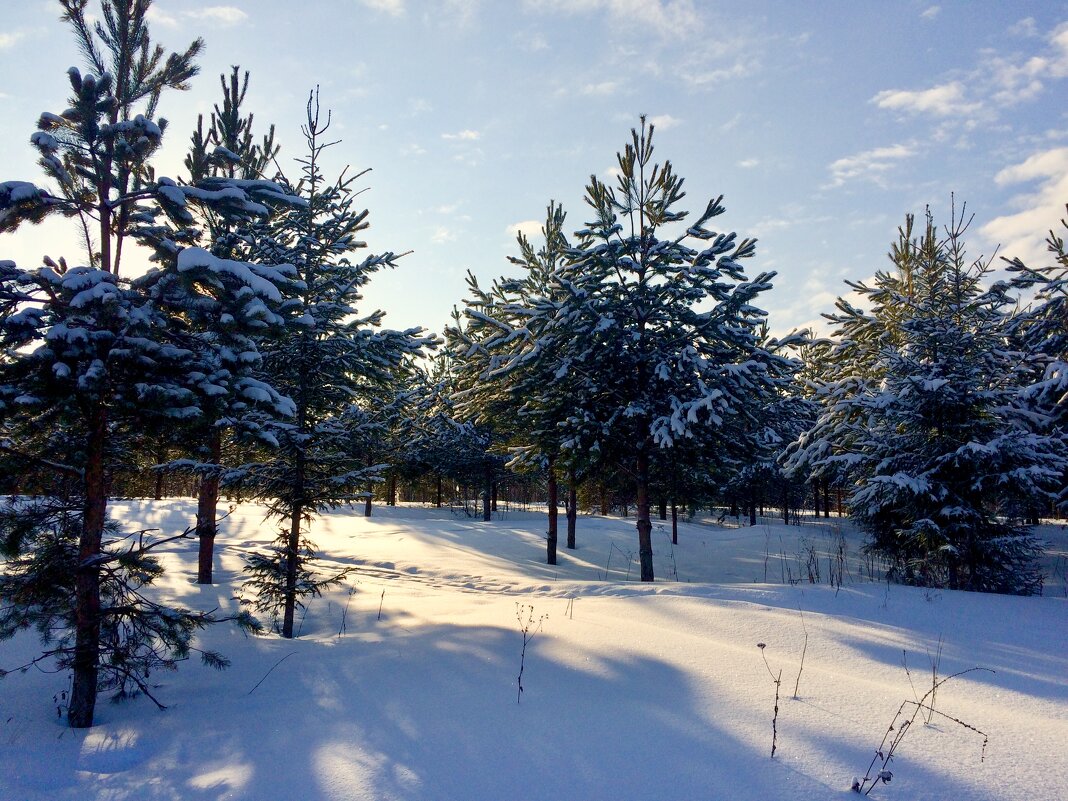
<point x="332" y="365"/>
<point x="87" y="352"/>
<point x="668" y="337"/>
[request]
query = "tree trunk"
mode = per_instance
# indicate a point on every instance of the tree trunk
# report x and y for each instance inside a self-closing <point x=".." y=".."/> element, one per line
<point x="367" y="503"/>
<point x="87" y="580"/>
<point x="160" y="457"/>
<point x="391" y="500"/>
<point x="662" y="509"/>
<point x="604" y="501"/>
<point x="207" y="506"/>
<point x="645" y="526"/>
<point x="551" y="539"/>
<point x="292" y="551"/>
<point x="674" y="524"/>
<point x="827" y="499"/>
<point x="487" y="496"/>
<point x="816" y="496"/>
<point x="752" y="511"/>
<point x="572" y="509"/>
<point x="437" y="502"/>
<point x="493" y="498"/>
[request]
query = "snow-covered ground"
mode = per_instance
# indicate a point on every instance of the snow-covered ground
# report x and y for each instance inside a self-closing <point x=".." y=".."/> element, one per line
<point x="403" y="682"/>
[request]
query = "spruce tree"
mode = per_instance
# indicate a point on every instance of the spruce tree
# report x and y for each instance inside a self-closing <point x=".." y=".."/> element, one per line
<point x="924" y="412"/>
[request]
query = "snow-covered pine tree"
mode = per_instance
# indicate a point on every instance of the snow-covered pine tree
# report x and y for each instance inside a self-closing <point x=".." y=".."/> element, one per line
<point x="508" y="346"/>
<point x="1043" y="329"/>
<point x="87" y="352"/>
<point x="333" y="363"/>
<point x="668" y="334"/>
<point x="205" y="293"/>
<point x="923" y="410"/>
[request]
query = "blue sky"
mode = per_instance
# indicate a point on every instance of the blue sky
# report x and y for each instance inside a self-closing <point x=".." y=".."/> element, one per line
<point x="821" y="123"/>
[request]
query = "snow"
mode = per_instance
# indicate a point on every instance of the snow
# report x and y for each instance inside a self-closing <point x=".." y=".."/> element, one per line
<point x="402" y="683"/>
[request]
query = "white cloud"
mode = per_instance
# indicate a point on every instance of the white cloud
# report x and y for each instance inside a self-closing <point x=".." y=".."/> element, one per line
<point x="942" y="101"/>
<point x="394" y="8"/>
<point x="997" y="82"/>
<point x="1025" y="28"/>
<point x="711" y="77"/>
<point x="157" y="17"/>
<point x="599" y="89"/>
<point x="1023" y="233"/>
<point x="931" y="12"/>
<point x="529" y="228"/>
<point x="9" y="39"/>
<point x="746" y="164"/>
<point x="466" y="135"/>
<point x="871" y="165"/>
<point x="223" y="15"/>
<point x="665" y="121"/>
<point x="442" y="235"/>
<point x="677" y="18"/>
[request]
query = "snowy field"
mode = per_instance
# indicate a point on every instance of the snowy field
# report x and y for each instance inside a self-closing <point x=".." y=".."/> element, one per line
<point x="403" y="682"/>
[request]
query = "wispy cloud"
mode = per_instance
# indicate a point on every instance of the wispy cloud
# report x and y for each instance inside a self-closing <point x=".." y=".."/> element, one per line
<point x="466" y="135"/>
<point x="1022" y="234"/>
<point x="222" y="15"/>
<point x="529" y="229"/>
<point x="997" y="82"/>
<point x="747" y="164"/>
<point x="442" y="235"/>
<point x="664" y="121"/>
<point x="604" y="88"/>
<point x="8" y="39"/>
<point x="944" y="100"/>
<point x="665" y="17"/>
<point x="871" y="165"/>
<point x="394" y="8"/>
<point x="157" y="17"/>
<point x="931" y="12"/>
<point x="1025" y="28"/>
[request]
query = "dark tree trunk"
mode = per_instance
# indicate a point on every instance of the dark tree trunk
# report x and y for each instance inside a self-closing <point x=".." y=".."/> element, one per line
<point x="752" y="511"/>
<point x="367" y="503"/>
<point x="493" y="497"/>
<point x="786" y="504"/>
<point x="839" y="493"/>
<point x="437" y="501"/>
<point x="674" y="524"/>
<point x="551" y="539"/>
<point x="572" y="509"/>
<point x="487" y="493"/>
<point x="391" y="500"/>
<point x="645" y="525"/>
<point x="292" y="553"/>
<point x="827" y="499"/>
<point x="86" y="660"/>
<point x="662" y="509"/>
<point x="160" y="458"/>
<point x="734" y="507"/>
<point x="604" y="501"/>
<point x="207" y="506"/>
<point x="816" y="496"/>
